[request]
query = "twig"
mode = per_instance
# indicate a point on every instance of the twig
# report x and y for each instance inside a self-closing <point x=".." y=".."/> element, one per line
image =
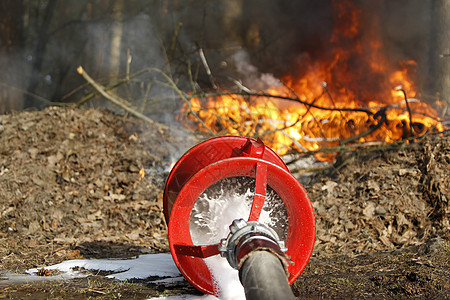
<point x="42" y="99"/>
<point x="75" y="90"/>
<point x="184" y="98"/>
<point x="108" y="88"/>
<point x="114" y="99"/>
<point x="129" y="59"/>
<point x="240" y="85"/>
<point x="310" y="170"/>
<point x="208" y="70"/>
<point x="144" y="98"/>
<point x="191" y="80"/>
<point x="369" y="146"/>
<point x="174" y="41"/>
<point x="96" y="291"/>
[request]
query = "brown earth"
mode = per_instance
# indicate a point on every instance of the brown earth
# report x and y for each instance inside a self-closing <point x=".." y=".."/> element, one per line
<point x="70" y="188"/>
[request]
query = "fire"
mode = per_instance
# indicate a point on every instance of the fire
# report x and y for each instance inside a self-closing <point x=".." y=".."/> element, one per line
<point x="141" y="173"/>
<point x="353" y="94"/>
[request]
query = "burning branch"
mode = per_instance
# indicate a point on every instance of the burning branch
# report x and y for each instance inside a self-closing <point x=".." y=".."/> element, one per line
<point x="324" y="86"/>
<point x="400" y="88"/>
<point x="308" y="107"/>
<point x="362" y="147"/>
<point x="369" y="110"/>
<point x="382" y="113"/>
<point x="311" y="104"/>
<point x="253" y="114"/>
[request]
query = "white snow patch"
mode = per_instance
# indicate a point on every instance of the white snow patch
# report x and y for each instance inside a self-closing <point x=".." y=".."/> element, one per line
<point x="142" y="267"/>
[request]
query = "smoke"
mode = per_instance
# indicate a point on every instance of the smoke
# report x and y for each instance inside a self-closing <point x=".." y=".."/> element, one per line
<point x="289" y="37"/>
<point x="253" y="78"/>
<point x="283" y="37"/>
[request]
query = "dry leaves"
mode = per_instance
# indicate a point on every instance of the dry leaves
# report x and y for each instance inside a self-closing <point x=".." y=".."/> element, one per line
<point x="72" y="177"/>
<point x="383" y="201"/>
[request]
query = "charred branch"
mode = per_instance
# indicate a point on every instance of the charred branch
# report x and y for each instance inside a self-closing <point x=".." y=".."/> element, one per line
<point x="411" y="130"/>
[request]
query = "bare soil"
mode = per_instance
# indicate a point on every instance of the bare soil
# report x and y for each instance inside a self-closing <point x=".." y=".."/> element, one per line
<point x="70" y="188"/>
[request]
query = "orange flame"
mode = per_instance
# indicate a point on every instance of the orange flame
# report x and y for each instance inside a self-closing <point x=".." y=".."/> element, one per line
<point x="339" y="100"/>
<point x="141" y="173"/>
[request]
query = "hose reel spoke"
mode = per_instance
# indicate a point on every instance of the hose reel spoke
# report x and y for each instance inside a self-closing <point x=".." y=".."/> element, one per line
<point x="197" y="251"/>
<point x="260" y="192"/>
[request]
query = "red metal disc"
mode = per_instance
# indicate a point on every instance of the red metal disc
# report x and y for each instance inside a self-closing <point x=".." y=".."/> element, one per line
<point x="208" y="152"/>
<point x="220" y="158"/>
<point x="301" y="231"/>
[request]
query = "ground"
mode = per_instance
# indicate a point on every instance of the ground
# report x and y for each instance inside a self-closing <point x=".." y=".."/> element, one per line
<point x="71" y="186"/>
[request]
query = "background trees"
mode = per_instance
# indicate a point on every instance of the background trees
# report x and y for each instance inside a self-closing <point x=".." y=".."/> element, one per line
<point x="43" y="41"/>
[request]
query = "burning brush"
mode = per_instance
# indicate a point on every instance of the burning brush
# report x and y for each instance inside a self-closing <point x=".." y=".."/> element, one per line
<point x="348" y="96"/>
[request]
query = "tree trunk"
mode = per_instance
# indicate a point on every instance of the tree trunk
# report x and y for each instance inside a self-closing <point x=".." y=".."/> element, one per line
<point x="39" y="55"/>
<point x="443" y="71"/>
<point x="438" y="73"/>
<point x="116" y="40"/>
<point x="11" y="43"/>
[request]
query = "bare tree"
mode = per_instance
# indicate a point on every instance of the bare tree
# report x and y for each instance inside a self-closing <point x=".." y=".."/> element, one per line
<point x="443" y="7"/>
<point x="39" y="53"/>
<point x="11" y="42"/>
<point x="116" y="39"/>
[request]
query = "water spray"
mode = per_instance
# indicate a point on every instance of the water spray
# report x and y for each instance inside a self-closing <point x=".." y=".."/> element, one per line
<point x="269" y="244"/>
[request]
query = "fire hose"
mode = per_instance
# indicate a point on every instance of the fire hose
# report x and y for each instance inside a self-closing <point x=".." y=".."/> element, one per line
<point x="267" y="261"/>
<point x="256" y="251"/>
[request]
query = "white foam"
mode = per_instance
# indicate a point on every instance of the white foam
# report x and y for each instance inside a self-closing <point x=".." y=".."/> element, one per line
<point x="211" y="217"/>
<point x="226" y="279"/>
<point x="210" y="221"/>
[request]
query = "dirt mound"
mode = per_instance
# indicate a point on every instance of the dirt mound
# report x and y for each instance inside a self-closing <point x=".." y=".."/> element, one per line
<point x="70" y="185"/>
<point x="383" y="200"/>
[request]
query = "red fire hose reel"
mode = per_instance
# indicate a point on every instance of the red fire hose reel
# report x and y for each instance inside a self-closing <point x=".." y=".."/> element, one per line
<point x="225" y="157"/>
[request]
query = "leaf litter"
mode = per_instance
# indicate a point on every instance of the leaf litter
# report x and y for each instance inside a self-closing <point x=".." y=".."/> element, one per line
<point x="71" y="187"/>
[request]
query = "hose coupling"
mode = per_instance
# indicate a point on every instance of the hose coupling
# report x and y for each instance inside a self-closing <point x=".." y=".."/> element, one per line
<point x="248" y="236"/>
